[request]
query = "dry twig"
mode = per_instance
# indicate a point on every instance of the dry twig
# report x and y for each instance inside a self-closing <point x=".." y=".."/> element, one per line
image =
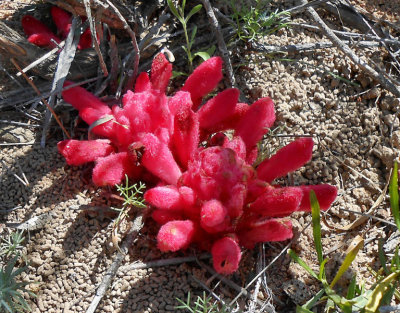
<point x="378" y="76"/>
<point x="220" y="40"/>
<point x="112" y="270"/>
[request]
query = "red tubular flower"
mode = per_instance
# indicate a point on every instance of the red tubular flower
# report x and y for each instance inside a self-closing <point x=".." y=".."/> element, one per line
<point x="277" y="202"/>
<point x="226" y="255"/>
<point x="112" y="169"/>
<point x="85" y="42"/>
<point x="218" y="109"/>
<point x="164" y="197"/>
<point x="214" y="216"/>
<point x="267" y="230"/>
<point x="62" y="19"/>
<point x="159" y="161"/>
<point x="287" y="159"/>
<point x="185" y="139"/>
<point x="161" y="72"/>
<point x="255" y="123"/>
<point x="325" y="193"/>
<point x="203" y="80"/>
<point x="164" y="216"/>
<point x="175" y="235"/>
<point x="38" y="33"/>
<point x="143" y="83"/>
<point x="78" y="152"/>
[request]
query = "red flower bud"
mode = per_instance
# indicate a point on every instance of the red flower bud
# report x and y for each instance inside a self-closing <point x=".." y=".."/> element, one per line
<point x="175" y="235"/>
<point x="226" y="255"/>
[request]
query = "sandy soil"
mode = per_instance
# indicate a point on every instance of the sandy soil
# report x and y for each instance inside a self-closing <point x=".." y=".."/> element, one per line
<point x="356" y="129"/>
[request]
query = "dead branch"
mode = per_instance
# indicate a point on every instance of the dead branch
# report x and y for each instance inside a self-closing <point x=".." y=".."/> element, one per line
<point x="310" y="46"/>
<point x="378" y="76"/>
<point x="220" y="40"/>
<point x="112" y="270"/>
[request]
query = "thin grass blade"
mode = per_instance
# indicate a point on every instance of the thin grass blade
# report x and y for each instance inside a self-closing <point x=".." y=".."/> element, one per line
<point x="351" y="253"/>
<point x="394" y="195"/>
<point x="316" y="222"/>
<point x="297" y="259"/>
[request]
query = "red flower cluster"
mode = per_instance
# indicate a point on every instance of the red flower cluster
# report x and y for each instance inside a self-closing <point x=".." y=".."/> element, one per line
<point x="39" y="34"/>
<point x="208" y="194"/>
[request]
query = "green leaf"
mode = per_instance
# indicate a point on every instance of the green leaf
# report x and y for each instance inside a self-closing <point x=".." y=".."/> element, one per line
<point x="351" y="290"/>
<point x="310" y="303"/>
<point x="382" y="256"/>
<point x="175" y="11"/>
<point x="351" y="253"/>
<point x="203" y="54"/>
<point x="316" y="222"/>
<point x="100" y="121"/>
<point x="394" y="195"/>
<point x="177" y="74"/>
<point x="194" y="31"/>
<point x="395" y="263"/>
<point x="378" y="293"/>
<point x="296" y="258"/>
<point x="300" y="309"/>
<point x="322" y="276"/>
<point x="193" y="11"/>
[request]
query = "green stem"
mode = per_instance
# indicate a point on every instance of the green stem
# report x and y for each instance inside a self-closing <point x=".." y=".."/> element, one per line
<point x="189" y="54"/>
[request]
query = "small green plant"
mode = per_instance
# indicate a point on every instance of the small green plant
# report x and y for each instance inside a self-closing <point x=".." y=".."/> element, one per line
<point x="133" y="197"/>
<point x="253" y="22"/>
<point x="11" y="299"/>
<point x="357" y="298"/>
<point x="202" y="304"/>
<point x="12" y="244"/>
<point x="179" y="13"/>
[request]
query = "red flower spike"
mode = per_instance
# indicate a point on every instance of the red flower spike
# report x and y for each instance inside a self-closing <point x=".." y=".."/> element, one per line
<point x="164" y="216"/>
<point x="78" y="152"/>
<point x="253" y="126"/>
<point x="185" y="139"/>
<point x="218" y="109"/>
<point x="143" y="83"/>
<point x="226" y="255"/>
<point x="111" y="169"/>
<point x="165" y="198"/>
<point x="236" y="144"/>
<point x="161" y="72"/>
<point x="203" y="80"/>
<point x="286" y="160"/>
<point x="277" y="202"/>
<point x="212" y="214"/>
<point x="38" y="33"/>
<point x="62" y="19"/>
<point x="236" y="201"/>
<point x="179" y="100"/>
<point x="175" y="235"/>
<point x="325" y="193"/>
<point x="268" y="230"/>
<point x="188" y="196"/>
<point x="85" y="42"/>
<point x="158" y="160"/>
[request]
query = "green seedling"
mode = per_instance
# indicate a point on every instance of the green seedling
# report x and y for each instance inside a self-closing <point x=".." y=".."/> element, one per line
<point x="202" y="304"/>
<point x="394" y="194"/>
<point x="357" y="298"/>
<point x="254" y="22"/>
<point x="11" y="298"/>
<point x="12" y="244"/>
<point x="179" y="13"/>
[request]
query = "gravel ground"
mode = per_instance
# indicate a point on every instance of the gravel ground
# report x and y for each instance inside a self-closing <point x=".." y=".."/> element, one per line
<point x="356" y="129"/>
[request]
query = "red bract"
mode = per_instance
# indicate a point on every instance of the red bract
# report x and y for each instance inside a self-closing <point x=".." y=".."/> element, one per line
<point x="40" y="35"/>
<point x="207" y="191"/>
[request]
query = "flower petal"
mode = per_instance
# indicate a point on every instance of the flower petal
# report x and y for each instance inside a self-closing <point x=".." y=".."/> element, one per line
<point x="111" y="169"/>
<point x="277" y="202"/>
<point x="143" y="83"/>
<point x="38" y="33"/>
<point x="175" y="235"/>
<point x="268" y="230"/>
<point x="161" y="72"/>
<point x="203" y="80"/>
<point x="226" y="255"/>
<point x="253" y="126"/>
<point x="62" y="19"/>
<point x="164" y="216"/>
<point x="78" y="152"/>
<point x="185" y="139"/>
<point x="158" y="160"/>
<point x="164" y="197"/>
<point x="218" y="109"/>
<point x="325" y="193"/>
<point x="286" y="160"/>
